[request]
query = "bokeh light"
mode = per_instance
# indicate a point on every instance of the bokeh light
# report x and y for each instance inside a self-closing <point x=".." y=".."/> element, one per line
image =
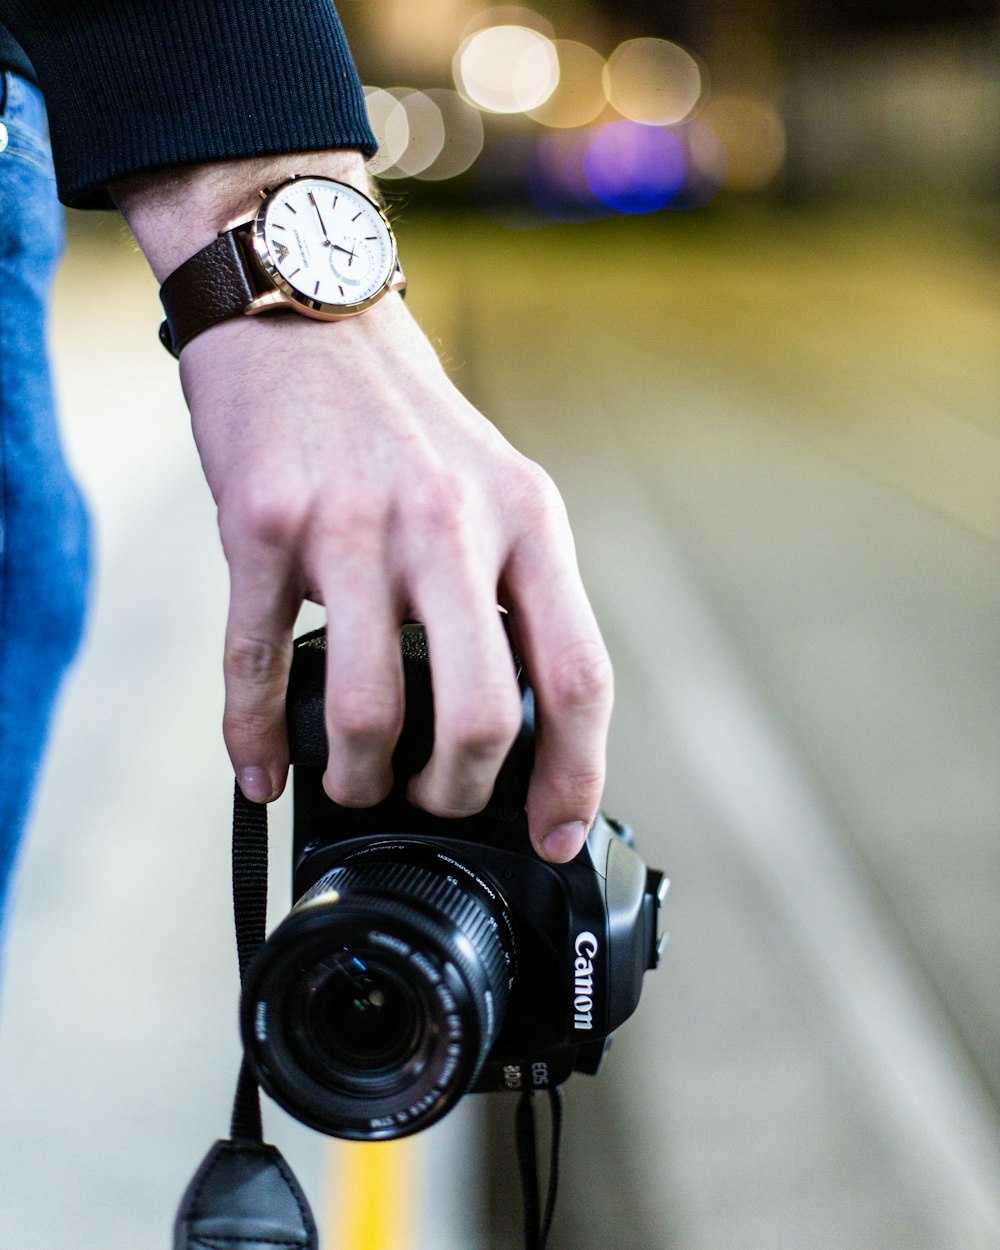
<point x="426" y="133"/>
<point x="390" y="125"/>
<point x="653" y="81"/>
<point x="463" y="136"/>
<point x="579" y="95"/>
<point x="634" y="168"/>
<point x="753" y="135"/>
<point x="506" y="69"/>
<point x="704" y="165"/>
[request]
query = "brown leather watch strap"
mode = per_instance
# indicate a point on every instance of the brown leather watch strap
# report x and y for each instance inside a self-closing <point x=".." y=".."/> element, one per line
<point x="215" y="284"/>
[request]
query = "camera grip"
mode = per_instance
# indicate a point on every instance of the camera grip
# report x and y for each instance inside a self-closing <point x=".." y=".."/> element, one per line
<point x="304" y="703"/>
<point x="307" y="741"/>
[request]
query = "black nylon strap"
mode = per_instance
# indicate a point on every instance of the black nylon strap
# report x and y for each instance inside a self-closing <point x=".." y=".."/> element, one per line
<point x="244" y="1195"/>
<point x="537" y="1223"/>
<point x="250" y="912"/>
<point x="249" y="877"/>
<point x="245" y="1123"/>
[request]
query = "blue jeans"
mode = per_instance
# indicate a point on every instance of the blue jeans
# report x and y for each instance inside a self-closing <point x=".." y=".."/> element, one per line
<point x="43" y="525"/>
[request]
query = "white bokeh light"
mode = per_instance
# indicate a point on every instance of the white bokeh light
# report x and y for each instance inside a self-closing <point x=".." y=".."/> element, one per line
<point x="506" y="69"/>
<point x="653" y="81"/>
<point x="390" y="125"/>
<point x="426" y="133"/>
<point x="463" y="136"/>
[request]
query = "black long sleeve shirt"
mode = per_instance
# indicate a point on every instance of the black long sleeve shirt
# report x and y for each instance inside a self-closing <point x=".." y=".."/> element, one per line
<point x="136" y="85"/>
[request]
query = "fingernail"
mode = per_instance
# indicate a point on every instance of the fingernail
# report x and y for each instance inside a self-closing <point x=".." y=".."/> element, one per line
<point x="564" y="842"/>
<point x="256" y="784"/>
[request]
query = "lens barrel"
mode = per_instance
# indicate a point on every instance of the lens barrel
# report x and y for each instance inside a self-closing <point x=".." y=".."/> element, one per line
<point x="370" y="1010"/>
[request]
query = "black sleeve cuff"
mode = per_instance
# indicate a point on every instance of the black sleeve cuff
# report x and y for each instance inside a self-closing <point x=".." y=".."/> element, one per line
<point x="12" y="57"/>
<point x="137" y="85"/>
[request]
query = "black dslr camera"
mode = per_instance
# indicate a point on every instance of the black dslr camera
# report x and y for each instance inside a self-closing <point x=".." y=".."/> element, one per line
<point x="426" y="958"/>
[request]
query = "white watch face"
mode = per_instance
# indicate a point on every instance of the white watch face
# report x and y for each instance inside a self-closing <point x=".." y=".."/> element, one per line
<point x="327" y="241"/>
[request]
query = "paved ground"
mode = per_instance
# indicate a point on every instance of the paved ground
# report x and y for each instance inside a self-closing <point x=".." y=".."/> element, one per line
<point x="779" y="441"/>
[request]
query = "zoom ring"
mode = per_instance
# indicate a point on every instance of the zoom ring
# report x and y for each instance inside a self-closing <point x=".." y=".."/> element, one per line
<point x="437" y="896"/>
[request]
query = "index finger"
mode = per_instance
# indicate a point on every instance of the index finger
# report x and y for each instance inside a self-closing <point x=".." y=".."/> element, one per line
<point x="263" y="604"/>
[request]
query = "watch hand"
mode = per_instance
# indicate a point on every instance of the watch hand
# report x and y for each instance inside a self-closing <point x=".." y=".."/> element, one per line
<point x="320" y="216"/>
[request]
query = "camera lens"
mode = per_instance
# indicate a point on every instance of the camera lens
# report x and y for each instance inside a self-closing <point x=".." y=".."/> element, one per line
<point x="369" y="1011"/>
<point x="353" y="1013"/>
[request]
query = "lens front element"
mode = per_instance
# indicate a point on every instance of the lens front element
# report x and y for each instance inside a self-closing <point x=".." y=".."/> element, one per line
<point x="350" y="1013"/>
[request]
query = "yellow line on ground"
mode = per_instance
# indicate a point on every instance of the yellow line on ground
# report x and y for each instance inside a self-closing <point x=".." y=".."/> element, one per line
<point x="373" y="1194"/>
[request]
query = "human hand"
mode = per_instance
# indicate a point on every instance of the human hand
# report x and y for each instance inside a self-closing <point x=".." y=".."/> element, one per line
<point x="348" y="469"/>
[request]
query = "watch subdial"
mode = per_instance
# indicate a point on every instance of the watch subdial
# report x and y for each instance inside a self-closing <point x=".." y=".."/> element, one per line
<point x="351" y="260"/>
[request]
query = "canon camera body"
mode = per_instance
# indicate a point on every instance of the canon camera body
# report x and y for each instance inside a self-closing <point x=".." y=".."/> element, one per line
<point x="425" y="958"/>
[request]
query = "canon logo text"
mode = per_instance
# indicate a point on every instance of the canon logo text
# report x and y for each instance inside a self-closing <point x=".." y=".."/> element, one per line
<point x="583" y="981"/>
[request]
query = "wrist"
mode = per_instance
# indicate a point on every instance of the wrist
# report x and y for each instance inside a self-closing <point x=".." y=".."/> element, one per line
<point x="174" y="213"/>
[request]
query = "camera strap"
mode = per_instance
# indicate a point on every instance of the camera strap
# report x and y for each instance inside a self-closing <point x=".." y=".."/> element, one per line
<point x="250" y="915"/>
<point x="537" y="1222"/>
<point x="244" y="1196"/>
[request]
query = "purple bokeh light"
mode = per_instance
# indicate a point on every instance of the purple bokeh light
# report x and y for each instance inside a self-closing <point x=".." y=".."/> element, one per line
<point x="634" y="168"/>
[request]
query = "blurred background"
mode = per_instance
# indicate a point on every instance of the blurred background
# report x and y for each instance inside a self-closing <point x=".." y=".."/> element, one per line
<point x="729" y="271"/>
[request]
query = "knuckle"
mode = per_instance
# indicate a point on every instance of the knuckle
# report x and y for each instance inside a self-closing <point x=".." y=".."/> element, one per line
<point x="535" y="481"/>
<point x="255" y="662"/>
<point x="540" y="499"/>
<point x="455" y="808"/>
<point x="487" y="725"/>
<point x="364" y="712"/>
<point x="442" y="504"/>
<point x="249" y="728"/>
<point x="581" y="679"/>
<point x="352" y="792"/>
<point x="578" y="788"/>
<point x="451" y="796"/>
<point x="357" y="521"/>
<point x="267" y="511"/>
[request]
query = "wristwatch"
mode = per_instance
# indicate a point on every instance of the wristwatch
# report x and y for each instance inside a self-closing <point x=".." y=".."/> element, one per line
<point x="314" y="245"/>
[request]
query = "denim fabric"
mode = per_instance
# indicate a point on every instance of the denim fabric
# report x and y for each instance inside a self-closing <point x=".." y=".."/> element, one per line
<point x="43" y="524"/>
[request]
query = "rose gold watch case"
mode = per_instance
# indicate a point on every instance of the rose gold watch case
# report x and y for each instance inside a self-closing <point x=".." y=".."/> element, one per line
<point x="284" y="295"/>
